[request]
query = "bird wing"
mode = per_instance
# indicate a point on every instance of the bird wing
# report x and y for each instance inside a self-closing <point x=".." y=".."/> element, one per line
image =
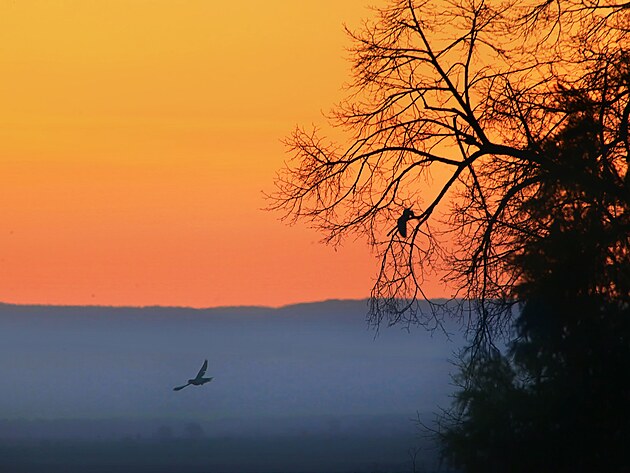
<point x="203" y="369"/>
<point x="179" y="388"/>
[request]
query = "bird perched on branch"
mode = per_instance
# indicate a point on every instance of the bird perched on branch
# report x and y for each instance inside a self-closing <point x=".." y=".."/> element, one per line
<point x="402" y="222"/>
<point x="198" y="380"/>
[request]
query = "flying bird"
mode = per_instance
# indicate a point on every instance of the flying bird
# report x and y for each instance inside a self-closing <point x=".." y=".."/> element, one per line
<point x="198" y="380"/>
<point x="402" y="222"/>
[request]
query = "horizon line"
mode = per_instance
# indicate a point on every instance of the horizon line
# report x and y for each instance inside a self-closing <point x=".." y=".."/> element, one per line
<point x="236" y="306"/>
<point x="159" y="306"/>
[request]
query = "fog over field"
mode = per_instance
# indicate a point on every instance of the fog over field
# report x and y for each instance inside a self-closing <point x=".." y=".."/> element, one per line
<point x="303" y="375"/>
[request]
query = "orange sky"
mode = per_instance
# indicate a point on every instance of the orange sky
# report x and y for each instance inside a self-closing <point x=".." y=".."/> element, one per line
<point x="137" y="136"/>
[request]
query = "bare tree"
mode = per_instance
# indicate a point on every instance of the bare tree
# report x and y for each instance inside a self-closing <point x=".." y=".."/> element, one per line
<point x="469" y="93"/>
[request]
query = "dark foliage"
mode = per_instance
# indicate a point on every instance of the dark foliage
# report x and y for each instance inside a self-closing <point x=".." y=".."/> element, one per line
<point x="559" y="400"/>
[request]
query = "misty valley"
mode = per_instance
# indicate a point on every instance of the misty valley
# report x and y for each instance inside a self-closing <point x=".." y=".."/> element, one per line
<point x="308" y="387"/>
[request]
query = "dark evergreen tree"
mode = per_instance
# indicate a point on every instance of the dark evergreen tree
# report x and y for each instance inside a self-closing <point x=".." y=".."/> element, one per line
<point x="559" y="399"/>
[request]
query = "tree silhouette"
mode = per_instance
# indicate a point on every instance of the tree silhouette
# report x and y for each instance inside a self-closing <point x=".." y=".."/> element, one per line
<point x="559" y="400"/>
<point x="520" y="113"/>
<point x="472" y="94"/>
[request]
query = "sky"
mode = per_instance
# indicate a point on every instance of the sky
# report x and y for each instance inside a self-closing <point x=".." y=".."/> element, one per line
<point x="137" y="139"/>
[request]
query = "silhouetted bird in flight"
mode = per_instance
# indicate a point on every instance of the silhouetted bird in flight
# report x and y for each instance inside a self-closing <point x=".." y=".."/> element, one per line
<point x="402" y="222"/>
<point x="198" y="380"/>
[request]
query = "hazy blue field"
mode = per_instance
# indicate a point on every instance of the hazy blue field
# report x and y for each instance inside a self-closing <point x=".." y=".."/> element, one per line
<point x="302" y="388"/>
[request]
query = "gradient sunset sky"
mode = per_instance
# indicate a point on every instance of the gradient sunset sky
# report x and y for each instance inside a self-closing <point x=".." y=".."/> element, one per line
<point x="137" y="138"/>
